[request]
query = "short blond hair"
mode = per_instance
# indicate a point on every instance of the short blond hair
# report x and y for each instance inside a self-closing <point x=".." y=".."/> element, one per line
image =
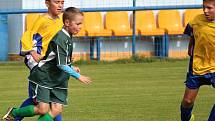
<point x="70" y="12"/>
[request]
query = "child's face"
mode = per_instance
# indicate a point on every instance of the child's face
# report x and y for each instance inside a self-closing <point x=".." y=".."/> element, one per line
<point x="209" y="10"/>
<point x="74" y="26"/>
<point x="55" y="7"/>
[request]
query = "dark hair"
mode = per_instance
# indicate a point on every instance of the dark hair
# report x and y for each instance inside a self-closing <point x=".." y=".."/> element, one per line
<point x="70" y="12"/>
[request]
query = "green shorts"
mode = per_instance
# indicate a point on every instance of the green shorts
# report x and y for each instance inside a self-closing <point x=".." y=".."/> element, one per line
<point x="49" y="95"/>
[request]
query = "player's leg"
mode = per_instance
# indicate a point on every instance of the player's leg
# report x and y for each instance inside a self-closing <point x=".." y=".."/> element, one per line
<point x="58" y="118"/>
<point x="41" y="94"/>
<point x="212" y="114"/>
<point x="59" y="98"/>
<point x="187" y="103"/>
<point x="27" y="111"/>
<point x="28" y="101"/>
<point x="56" y="109"/>
<point x="30" y="63"/>
<point x="46" y="117"/>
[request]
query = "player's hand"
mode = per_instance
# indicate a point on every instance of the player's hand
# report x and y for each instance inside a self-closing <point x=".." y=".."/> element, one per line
<point x="37" y="57"/>
<point x="84" y="79"/>
<point x="77" y="69"/>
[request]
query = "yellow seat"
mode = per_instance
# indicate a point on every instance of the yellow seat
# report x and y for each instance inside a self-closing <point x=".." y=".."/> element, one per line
<point x="190" y="14"/>
<point x="146" y="24"/>
<point x="170" y="20"/>
<point x="30" y="19"/>
<point x="119" y="23"/>
<point x="94" y="25"/>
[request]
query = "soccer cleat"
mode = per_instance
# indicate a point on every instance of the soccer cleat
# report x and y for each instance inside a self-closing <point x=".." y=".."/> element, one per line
<point x="8" y="116"/>
<point x="192" y="118"/>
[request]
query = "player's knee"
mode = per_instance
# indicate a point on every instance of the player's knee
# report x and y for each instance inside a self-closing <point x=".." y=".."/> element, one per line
<point x="42" y="109"/>
<point x="56" y="109"/>
<point x="187" y="102"/>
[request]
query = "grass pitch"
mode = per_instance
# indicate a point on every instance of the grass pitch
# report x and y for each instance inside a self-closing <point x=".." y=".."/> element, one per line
<point x="120" y="92"/>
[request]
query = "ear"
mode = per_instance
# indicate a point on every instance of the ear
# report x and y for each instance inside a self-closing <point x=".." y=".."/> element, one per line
<point x="47" y="3"/>
<point x="66" y="23"/>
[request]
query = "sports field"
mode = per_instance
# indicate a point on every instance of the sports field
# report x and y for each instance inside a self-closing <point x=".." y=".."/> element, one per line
<point x="120" y="92"/>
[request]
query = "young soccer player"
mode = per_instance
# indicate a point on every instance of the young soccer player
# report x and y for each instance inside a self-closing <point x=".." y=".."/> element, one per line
<point x="202" y="58"/>
<point x="49" y="79"/>
<point x="35" y="41"/>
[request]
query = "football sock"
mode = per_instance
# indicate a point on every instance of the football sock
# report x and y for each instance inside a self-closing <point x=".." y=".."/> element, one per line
<point x="27" y="102"/>
<point x="186" y="113"/>
<point x="27" y="111"/>
<point x="46" y="117"/>
<point x="58" y="118"/>
<point x="212" y="114"/>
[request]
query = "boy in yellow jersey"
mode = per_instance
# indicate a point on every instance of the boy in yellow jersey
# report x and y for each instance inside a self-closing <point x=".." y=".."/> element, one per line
<point x="34" y="42"/>
<point x="202" y="58"/>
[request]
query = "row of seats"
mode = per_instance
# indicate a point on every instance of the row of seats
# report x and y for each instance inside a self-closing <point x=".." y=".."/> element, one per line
<point x="118" y="24"/>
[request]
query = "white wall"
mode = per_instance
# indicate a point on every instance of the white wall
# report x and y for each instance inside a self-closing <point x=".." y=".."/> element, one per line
<point x="35" y="4"/>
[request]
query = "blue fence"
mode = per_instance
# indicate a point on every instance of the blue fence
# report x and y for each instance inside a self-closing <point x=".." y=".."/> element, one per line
<point x="3" y="37"/>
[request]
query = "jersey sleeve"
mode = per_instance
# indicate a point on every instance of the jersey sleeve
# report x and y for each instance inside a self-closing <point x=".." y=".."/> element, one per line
<point x="188" y="30"/>
<point x="26" y="43"/>
<point x="70" y="71"/>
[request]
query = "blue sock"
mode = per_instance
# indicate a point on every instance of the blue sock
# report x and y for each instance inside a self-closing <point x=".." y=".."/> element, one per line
<point x="186" y="113"/>
<point x="27" y="102"/>
<point x="58" y="118"/>
<point x="212" y="114"/>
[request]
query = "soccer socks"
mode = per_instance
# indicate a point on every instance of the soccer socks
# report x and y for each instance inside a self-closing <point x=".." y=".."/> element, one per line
<point x="58" y="118"/>
<point x="46" y="117"/>
<point x="212" y="114"/>
<point x="27" y="102"/>
<point x="27" y="111"/>
<point x="186" y="113"/>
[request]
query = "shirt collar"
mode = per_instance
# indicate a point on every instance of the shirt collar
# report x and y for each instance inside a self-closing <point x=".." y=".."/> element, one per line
<point x="64" y="31"/>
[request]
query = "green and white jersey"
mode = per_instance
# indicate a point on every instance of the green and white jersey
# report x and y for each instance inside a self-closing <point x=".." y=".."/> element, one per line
<point x="47" y="73"/>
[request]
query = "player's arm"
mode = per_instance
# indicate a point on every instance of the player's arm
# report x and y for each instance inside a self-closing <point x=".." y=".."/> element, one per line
<point x="189" y="31"/>
<point x="27" y="44"/>
<point x="72" y="71"/>
<point x="37" y="57"/>
<point x="191" y="46"/>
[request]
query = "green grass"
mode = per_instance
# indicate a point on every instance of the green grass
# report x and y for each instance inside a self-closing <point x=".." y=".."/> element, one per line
<point x="120" y="92"/>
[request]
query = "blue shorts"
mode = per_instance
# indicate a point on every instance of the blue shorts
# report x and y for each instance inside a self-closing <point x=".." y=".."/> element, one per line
<point x="195" y="81"/>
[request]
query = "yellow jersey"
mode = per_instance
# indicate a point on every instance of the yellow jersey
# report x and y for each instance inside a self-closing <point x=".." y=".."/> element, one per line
<point x="38" y="37"/>
<point x="204" y="45"/>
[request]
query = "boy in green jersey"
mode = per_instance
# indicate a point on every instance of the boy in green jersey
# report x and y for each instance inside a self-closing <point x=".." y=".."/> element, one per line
<point x="49" y="79"/>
